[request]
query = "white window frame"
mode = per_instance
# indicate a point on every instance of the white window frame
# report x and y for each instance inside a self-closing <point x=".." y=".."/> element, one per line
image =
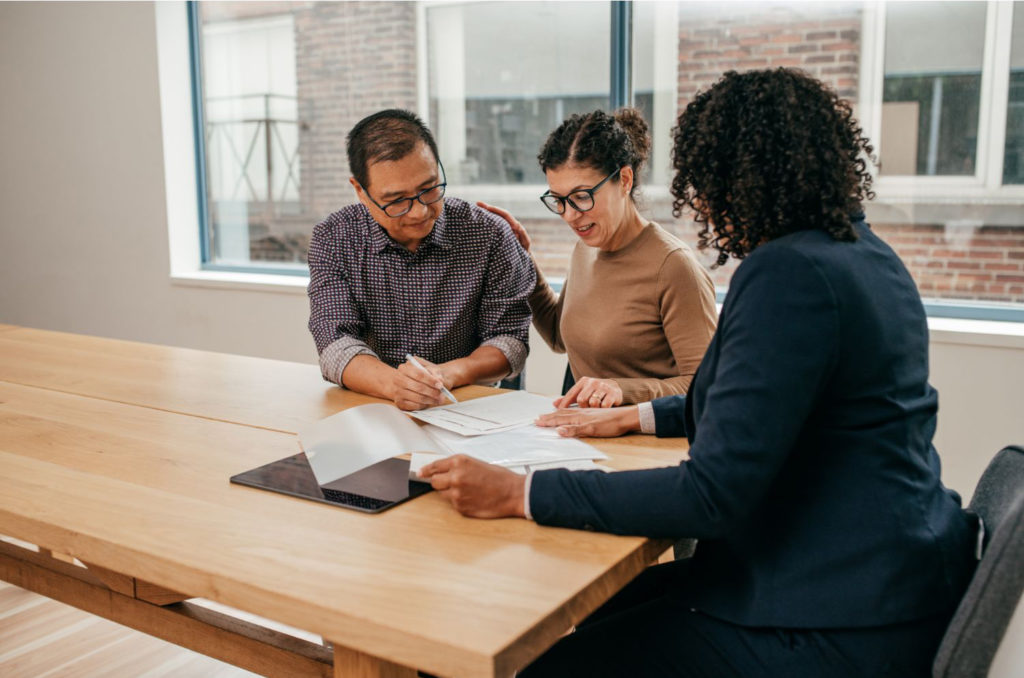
<point x="985" y="185"/>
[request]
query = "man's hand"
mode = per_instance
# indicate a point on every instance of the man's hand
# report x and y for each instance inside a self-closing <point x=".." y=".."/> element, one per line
<point x="517" y="229"/>
<point x="593" y="423"/>
<point x="413" y="388"/>
<point x="477" y="489"/>
<point x="592" y="392"/>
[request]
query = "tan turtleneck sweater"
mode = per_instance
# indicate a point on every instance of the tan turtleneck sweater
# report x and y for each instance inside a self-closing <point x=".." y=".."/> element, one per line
<point x="642" y="315"/>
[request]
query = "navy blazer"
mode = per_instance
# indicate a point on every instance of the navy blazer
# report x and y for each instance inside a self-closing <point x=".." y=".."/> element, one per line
<point x="812" y="483"/>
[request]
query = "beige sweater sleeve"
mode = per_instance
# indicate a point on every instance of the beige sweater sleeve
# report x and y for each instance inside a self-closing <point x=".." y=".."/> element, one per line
<point x="686" y="297"/>
<point x="546" y="307"/>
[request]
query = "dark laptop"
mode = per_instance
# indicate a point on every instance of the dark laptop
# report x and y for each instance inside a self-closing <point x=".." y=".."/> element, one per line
<point x="372" y="489"/>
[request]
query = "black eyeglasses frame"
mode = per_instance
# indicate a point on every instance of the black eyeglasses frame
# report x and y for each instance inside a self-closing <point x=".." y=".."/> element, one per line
<point x="561" y="200"/>
<point x="418" y="197"/>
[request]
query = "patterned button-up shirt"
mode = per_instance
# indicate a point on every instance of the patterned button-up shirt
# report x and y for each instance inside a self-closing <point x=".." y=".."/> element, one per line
<point x="465" y="286"/>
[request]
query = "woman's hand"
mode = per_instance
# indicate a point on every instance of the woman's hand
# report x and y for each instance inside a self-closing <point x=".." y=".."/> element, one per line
<point x="593" y="423"/>
<point x="517" y="229"/>
<point x="477" y="489"/>
<point x="591" y="392"/>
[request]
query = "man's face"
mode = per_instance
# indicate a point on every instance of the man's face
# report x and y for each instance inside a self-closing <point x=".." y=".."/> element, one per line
<point x="392" y="180"/>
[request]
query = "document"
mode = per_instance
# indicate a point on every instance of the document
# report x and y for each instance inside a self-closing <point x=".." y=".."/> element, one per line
<point x="358" y="437"/>
<point x="523" y="445"/>
<point x="488" y="415"/>
<point x="421" y="459"/>
<point x="361" y="436"/>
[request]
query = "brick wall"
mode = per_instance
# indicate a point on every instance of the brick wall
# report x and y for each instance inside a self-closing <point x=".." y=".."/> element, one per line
<point x="822" y="39"/>
<point x="984" y="263"/>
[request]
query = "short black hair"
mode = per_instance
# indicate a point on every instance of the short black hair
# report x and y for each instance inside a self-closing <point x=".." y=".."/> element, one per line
<point x="764" y="153"/>
<point x="385" y="136"/>
<point x="601" y="141"/>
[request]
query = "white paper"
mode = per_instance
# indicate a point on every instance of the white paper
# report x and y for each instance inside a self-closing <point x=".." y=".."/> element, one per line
<point x="516" y="447"/>
<point x="421" y="459"/>
<point x="488" y="415"/>
<point x="358" y="437"/>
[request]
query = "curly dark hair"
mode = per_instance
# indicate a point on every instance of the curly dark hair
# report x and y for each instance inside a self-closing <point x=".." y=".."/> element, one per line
<point x="604" y="142"/>
<point x="765" y="153"/>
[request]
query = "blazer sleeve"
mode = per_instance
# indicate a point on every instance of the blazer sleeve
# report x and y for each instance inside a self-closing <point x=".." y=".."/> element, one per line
<point x="778" y="338"/>
<point x="670" y="417"/>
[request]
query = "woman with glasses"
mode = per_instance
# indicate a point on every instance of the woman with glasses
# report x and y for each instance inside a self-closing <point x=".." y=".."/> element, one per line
<point x="827" y="543"/>
<point x="637" y="310"/>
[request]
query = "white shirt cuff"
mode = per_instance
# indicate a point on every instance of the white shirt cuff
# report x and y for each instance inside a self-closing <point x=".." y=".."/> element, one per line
<point x="526" y="496"/>
<point x="646" y="412"/>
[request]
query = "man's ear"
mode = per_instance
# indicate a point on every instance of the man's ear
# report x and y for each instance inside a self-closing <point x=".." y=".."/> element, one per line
<point x="360" y="193"/>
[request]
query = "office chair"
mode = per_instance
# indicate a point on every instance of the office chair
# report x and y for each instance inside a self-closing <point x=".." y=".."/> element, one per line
<point x="977" y="627"/>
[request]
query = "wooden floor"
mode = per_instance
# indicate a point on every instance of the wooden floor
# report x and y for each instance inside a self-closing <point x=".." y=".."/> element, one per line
<point x="41" y="638"/>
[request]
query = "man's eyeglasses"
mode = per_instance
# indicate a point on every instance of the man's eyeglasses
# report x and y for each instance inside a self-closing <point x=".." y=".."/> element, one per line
<point x="400" y="207"/>
<point x="582" y="200"/>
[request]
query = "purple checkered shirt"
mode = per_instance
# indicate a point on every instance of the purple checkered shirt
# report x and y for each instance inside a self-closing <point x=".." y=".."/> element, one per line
<point x="465" y="286"/>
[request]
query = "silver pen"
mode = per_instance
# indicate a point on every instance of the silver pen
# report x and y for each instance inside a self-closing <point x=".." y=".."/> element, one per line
<point x="417" y="363"/>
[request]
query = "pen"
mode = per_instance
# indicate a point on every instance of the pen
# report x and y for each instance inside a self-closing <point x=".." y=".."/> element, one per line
<point x="418" y="364"/>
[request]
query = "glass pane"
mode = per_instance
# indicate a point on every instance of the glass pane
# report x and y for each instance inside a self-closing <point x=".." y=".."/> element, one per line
<point x="932" y="87"/>
<point x="501" y="77"/>
<point x="957" y="247"/>
<point x="1013" y="163"/>
<point x="283" y="83"/>
<point x="681" y="48"/>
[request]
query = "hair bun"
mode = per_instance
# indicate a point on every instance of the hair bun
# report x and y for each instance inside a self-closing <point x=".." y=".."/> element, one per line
<point x="638" y="130"/>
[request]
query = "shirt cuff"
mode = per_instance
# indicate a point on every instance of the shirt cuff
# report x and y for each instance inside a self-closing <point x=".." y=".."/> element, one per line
<point x="526" y="496"/>
<point x="337" y="355"/>
<point x="515" y="352"/>
<point x="646" y="412"/>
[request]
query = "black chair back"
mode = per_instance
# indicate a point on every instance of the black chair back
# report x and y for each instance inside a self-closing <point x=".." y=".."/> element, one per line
<point x="977" y="627"/>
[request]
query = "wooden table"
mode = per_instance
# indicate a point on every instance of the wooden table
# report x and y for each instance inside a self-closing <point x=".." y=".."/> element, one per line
<point x="118" y="454"/>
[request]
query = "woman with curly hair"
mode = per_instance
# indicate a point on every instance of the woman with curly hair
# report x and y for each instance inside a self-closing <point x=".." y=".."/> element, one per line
<point x="664" y="300"/>
<point x="827" y="545"/>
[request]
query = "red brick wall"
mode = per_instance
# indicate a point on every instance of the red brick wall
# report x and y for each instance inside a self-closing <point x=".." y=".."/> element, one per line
<point x="823" y="40"/>
<point x="986" y="263"/>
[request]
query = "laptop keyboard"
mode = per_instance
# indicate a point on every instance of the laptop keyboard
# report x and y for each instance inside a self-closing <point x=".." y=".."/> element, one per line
<point x="355" y="500"/>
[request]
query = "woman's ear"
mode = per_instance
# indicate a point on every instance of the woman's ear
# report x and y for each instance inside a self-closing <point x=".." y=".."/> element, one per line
<point x="626" y="178"/>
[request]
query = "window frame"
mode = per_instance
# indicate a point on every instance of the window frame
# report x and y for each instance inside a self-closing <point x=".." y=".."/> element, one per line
<point x="984" y="188"/>
<point x="985" y="185"/>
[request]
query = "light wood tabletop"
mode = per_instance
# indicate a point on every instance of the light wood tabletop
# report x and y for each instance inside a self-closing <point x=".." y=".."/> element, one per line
<point x="118" y="454"/>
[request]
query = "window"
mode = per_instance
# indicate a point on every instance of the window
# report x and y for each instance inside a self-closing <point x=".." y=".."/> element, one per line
<point x="938" y="86"/>
<point x="932" y="88"/>
<point x="502" y="75"/>
<point x="1013" y="162"/>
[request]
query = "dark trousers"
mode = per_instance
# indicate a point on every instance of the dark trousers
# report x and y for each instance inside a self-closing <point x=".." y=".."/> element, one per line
<point x="647" y="630"/>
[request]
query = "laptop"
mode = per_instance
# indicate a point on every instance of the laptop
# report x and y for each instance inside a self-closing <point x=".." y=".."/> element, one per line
<point x="372" y="489"/>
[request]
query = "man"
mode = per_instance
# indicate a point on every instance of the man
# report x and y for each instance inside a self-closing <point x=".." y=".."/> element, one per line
<point x="405" y="272"/>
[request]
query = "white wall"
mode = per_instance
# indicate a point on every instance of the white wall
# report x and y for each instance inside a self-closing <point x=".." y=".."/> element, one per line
<point x="84" y="232"/>
<point x="83" y="218"/>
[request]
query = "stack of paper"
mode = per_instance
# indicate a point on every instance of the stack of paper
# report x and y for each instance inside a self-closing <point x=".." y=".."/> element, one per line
<point x="500" y="430"/>
<point x="487" y="415"/>
<point x="496" y="429"/>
